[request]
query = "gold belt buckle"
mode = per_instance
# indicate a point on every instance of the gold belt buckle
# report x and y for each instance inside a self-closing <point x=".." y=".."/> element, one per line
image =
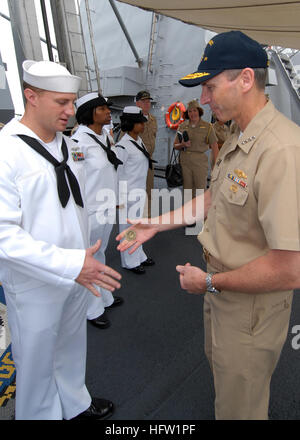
<point x="206" y="255"/>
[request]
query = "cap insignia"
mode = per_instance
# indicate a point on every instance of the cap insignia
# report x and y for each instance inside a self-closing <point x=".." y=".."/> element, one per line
<point x="196" y="75"/>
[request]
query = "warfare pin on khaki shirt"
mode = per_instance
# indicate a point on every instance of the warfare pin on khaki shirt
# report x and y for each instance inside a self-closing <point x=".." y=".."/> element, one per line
<point x="255" y="188"/>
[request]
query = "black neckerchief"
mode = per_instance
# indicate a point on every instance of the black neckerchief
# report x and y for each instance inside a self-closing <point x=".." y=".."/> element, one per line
<point x="111" y="156"/>
<point x="61" y="168"/>
<point x="145" y="152"/>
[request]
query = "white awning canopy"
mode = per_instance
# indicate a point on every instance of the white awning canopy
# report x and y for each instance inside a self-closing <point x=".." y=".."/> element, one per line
<point x="271" y="22"/>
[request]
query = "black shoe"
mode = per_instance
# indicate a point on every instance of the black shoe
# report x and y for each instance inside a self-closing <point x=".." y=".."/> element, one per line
<point x="191" y="226"/>
<point x="138" y="270"/>
<point x="100" y="409"/>
<point x="118" y="301"/>
<point x="101" y="322"/>
<point x="148" y="262"/>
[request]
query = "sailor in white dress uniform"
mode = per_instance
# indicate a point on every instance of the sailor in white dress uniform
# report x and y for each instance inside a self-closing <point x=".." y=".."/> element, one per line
<point x="132" y="177"/>
<point x="101" y="165"/>
<point x="45" y="264"/>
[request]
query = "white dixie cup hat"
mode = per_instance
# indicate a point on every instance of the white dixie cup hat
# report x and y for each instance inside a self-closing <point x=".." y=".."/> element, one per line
<point x="50" y="76"/>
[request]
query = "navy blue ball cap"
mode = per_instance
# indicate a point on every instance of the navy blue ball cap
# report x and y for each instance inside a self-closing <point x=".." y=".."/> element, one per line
<point x="225" y="51"/>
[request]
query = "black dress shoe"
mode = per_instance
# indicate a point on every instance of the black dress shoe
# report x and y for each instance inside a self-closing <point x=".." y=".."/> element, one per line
<point x="101" y="322"/>
<point x="100" y="409"/>
<point x="148" y="262"/>
<point x="117" y="302"/>
<point x="138" y="269"/>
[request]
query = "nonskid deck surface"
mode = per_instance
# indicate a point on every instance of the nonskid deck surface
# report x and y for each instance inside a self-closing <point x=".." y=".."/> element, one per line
<point x="150" y="362"/>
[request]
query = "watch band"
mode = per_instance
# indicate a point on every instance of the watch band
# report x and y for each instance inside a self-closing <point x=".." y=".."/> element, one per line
<point x="209" y="287"/>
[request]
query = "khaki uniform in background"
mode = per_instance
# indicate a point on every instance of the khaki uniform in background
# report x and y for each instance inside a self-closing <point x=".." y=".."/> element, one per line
<point x="148" y="138"/>
<point x="255" y="188"/>
<point x="194" y="161"/>
<point x="222" y="133"/>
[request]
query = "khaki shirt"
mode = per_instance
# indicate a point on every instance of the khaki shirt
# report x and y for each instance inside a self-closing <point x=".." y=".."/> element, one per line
<point x="222" y="132"/>
<point x="149" y="134"/>
<point x="255" y="189"/>
<point x="201" y="135"/>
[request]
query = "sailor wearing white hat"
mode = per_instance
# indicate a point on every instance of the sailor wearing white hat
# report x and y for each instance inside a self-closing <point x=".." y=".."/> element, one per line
<point x="50" y="76"/>
<point x="101" y="162"/>
<point x="136" y="163"/>
<point x="45" y="259"/>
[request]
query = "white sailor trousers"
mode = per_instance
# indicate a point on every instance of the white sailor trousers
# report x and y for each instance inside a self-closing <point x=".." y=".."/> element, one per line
<point x="129" y="261"/>
<point x="99" y="231"/>
<point x="48" y="332"/>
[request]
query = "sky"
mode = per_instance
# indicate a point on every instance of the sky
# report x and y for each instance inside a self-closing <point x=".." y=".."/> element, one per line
<point x="8" y="53"/>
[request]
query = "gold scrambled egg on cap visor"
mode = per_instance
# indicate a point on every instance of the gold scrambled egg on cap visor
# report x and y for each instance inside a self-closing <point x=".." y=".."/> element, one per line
<point x="228" y="50"/>
<point x="196" y="78"/>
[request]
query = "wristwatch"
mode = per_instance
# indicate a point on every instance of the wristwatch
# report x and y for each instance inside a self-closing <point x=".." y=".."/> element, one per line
<point x="209" y="287"/>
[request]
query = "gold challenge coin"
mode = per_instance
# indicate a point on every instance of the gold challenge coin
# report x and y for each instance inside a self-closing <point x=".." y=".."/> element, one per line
<point x="130" y="235"/>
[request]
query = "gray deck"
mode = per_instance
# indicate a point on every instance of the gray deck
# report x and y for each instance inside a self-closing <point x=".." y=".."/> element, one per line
<point x="151" y="361"/>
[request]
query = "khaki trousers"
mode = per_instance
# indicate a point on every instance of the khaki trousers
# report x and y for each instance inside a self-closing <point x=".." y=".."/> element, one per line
<point x="244" y="336"/>
<point x="194" y="170"/>
<point x="149" y="187"/>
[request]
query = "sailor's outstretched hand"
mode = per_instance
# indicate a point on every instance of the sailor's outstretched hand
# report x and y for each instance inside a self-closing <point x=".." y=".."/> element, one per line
<point x="141" y="230"/>
<point x="94" y="273"/>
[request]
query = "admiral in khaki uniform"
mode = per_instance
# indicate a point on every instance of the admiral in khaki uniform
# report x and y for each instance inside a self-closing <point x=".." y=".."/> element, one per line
<point x="254" y="210"/>
<point x="193" y="160"/>
<point x="251" y="237"/>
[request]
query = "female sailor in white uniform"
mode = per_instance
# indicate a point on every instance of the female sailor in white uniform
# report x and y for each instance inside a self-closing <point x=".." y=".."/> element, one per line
<point x="101" y="164"/>
<point x="132" y="176"/>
